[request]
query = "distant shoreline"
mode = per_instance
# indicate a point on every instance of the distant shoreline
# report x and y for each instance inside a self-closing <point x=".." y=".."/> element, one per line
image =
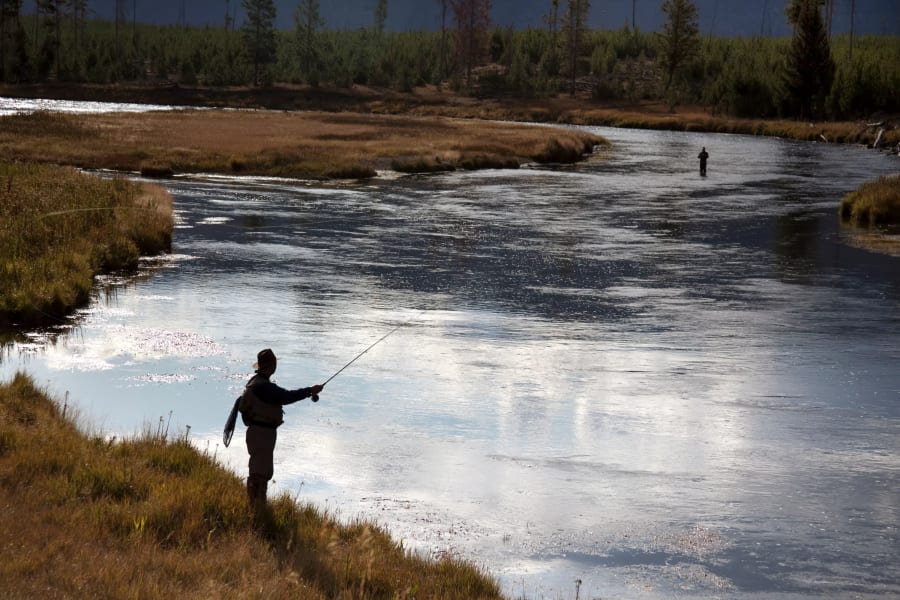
<point x="428" y="101"/>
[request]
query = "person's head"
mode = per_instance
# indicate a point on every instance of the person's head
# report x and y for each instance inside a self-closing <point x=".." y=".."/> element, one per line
<point x="265" y="362"/>
<point x="704" y="148"/>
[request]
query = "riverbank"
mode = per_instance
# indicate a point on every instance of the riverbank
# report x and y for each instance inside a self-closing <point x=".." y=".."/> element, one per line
<point x="429" y="101"/>
<point x="85" y="517"/>
<point x="309" y="144"/>
<point x="62" y="227"/>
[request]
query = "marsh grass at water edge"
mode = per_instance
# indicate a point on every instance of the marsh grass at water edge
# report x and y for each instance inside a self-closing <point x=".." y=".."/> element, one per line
<point x="873" y="204"/>
<point x="60" y="227"/>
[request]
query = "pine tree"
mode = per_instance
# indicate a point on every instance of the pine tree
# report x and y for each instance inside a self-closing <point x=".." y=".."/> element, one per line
<point x="442" y="66"/>
<point x="574" y="25"/>
<point x="308" y="20"/>
<point x="809" y="72"/>
<point x="381" y="9"/>
<point x="13" y="54"/>
<point x="680" y="37"/>
<point x="51" y="49"/>
<point x="259" y="34"/>
<point x="550" y="58"/>
<point x="472" y="23"/>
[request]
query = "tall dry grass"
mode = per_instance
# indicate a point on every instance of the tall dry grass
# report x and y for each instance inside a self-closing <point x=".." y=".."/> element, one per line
<point x="59" y="227"/>
<point x="150" y="517"/>
<point x="873" y="204"/>
<point x="291" y="144"/>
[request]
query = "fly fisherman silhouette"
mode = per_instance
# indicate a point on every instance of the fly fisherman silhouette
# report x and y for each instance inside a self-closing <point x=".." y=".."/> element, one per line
<point x="260" y="407"/>
<point x="703" y="156"/>
<point x="261" y="411"/>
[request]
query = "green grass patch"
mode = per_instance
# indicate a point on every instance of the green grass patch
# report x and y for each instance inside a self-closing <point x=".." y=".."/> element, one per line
<point x="873" y="204"/>
<point x="151" y="517"/>
<point x="59" y="227"/>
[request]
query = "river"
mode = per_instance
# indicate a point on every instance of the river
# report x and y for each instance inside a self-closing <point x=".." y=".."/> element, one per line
<point x="619" y="373"/>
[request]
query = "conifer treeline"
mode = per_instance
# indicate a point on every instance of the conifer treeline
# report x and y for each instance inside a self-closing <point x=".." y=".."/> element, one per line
<point x="809" y="75"/>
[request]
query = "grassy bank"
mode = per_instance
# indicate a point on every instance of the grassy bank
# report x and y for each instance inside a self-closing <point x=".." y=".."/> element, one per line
<point x="873" y="204"/>
<point x="296" y="144"/>
<point x="150" y="517"/>
<point x="841" y="132"/>
<point x="60" y="227"/>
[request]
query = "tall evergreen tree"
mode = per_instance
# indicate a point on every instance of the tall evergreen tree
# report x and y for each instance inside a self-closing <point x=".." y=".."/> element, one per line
<point x="574" y="25"/>
<point x="473" y="19"/>
<point x="259" y="35"/>
<point x="51" y="48"/>
<point x="308" y="20"/>
<point x="680" y="37"/>
<point x="381" y="10"/>
<point x="442" y="65"/>
<point x="79" y="17"/>
<point x="550" y="58"/>
<point x="809" y="72"/>
<point x="13" y="54"/>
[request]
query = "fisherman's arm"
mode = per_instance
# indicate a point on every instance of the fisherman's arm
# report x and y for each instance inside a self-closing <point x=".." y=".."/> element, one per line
<point x="275" y="394"/>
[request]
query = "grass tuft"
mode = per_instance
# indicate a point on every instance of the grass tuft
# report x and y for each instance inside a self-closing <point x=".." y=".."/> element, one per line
<point x="873" y="204"/>
<point x="422" y="164"/>
<point x="477" y="160"/>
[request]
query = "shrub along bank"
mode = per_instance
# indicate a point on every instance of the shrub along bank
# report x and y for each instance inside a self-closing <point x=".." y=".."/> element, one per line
<point x="151" y="517"/>
<point x="60" y="227"/>
<point x="873" y="204"/>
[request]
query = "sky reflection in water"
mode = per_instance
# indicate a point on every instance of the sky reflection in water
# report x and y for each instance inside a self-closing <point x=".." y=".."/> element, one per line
<point x="616" y="372"/>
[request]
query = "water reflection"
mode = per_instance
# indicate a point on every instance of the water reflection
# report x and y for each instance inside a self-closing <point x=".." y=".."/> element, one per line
<point x="12" y="106"/>
<point x="621" y="373"/>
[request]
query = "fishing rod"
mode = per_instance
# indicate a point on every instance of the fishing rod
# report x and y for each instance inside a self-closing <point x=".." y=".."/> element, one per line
<point x="315" y="397"/>
<point x="232" y="418"/>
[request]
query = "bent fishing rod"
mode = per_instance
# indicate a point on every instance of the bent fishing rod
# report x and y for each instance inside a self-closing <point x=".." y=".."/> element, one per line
<point x="315" y="397"/>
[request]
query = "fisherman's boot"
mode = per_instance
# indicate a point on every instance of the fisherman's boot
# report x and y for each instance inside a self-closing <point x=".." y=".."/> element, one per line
<point x="252" y="490"/>
<point x="261" y="493"/>
<point x="256" y="492"/>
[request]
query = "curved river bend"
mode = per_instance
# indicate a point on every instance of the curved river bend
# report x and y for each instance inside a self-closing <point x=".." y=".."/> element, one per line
<point x="618" y="373"/>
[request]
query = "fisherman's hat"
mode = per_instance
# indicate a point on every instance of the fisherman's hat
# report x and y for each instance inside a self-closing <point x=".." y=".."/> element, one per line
<point x="265" y="359"/>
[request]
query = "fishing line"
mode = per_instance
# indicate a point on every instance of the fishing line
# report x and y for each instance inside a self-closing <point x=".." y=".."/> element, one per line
<point x="315" y="398"/>
<point x="97" y="208"/>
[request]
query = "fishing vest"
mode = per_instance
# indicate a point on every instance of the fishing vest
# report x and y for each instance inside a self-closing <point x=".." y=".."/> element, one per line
<point x="256" y="412"/>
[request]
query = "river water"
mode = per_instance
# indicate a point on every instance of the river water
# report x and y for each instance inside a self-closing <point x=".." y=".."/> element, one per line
<point x="615" y="380"/>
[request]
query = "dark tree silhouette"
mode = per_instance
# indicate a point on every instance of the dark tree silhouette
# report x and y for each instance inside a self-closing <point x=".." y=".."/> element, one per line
<point x="809" y="72"/>
<point x="308" y="20"/>
<point x="259" y="34"/>
<point x="680" y="37"/>
<point x="13" y="54"/>
<point x="473" y="19"/>
<point x="574" y="25"/>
